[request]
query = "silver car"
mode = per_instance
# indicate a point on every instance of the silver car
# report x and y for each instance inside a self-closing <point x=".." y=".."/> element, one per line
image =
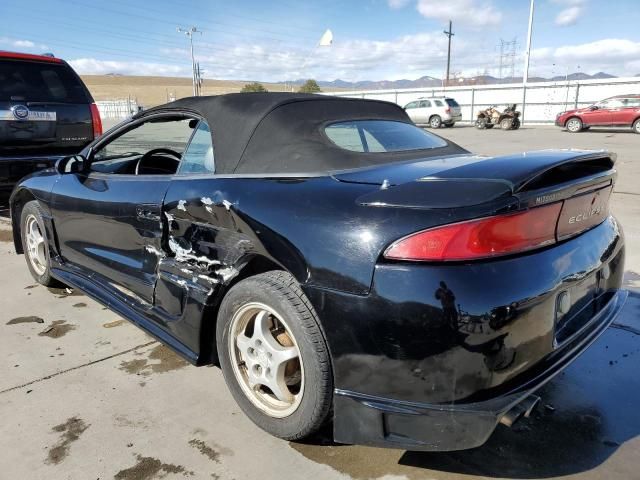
<point x="434" y="111"/>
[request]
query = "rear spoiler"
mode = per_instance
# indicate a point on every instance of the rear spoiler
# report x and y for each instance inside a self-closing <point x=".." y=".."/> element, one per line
<point x="548" y="175"/>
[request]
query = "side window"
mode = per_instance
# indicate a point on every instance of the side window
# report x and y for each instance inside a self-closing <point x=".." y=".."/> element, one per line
<point x="425" y="104"/>
<point x="198" y="158"/>
<point x="155" y="146"/>
<point x="438" y="103"/>
<point x="411" y="105"/>
<point x="632" y="102"/>
<point x="610" y="103"/>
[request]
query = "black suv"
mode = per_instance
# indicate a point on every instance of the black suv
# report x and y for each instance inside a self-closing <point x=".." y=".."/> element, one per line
<point x="46" y="112"/>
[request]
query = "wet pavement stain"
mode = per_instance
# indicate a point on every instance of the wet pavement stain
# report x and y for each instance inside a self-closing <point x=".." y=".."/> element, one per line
<point x="211" y="453"/>
<point x="65" y="292"/>
<point x="79" y="305"/>
<point x="30" y="319"/>
<point x="166" y="361"/>
<point x="6" y="236"/>
<point x="71" y="431"/>
<point x="148" y="468"/>
<point x="115" y="323"/>
<point x="59" y="328"/>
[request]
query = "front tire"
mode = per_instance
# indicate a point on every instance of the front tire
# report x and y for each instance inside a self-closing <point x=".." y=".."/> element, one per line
<point x="574" y="125"/>
<point x="273" y="355"/>
<point x="435" y="121"/>
<point x="36" y="245"/>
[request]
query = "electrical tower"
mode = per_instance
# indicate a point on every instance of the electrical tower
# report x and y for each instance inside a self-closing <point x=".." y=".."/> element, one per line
<point x="508" y="58"/>
<point x="449" y="34"/>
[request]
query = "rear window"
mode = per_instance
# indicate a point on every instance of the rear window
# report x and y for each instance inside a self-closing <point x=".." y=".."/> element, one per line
<point x="39" y="82"/>
<point x="375" y="136"/>
<point x="451" y="102"/>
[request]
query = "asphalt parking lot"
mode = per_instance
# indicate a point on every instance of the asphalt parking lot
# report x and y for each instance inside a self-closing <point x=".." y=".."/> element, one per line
<point x="86" y="395"/>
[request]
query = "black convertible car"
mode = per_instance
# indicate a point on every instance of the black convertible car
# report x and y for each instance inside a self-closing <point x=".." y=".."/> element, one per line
<point x="336" y="260"/>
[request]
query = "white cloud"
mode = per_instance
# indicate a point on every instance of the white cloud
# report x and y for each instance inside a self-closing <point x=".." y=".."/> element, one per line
<point x="476" y="13"/>
<point x="22" y="44"/>
<point x="612" y="55"/>
<point x="91" y="66"/>
<point x="572" y="10"/>
<point x="395" y="4"/>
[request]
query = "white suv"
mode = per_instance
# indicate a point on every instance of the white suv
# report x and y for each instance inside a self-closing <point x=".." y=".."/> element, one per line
<point x="434" y="111"/>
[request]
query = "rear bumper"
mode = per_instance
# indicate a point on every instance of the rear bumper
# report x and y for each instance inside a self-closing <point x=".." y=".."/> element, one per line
<point x="384" y="422"/>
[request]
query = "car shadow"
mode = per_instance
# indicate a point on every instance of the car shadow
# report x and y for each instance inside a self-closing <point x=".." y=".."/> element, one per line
<point x="4" y="206"/>
<point x="587" y="412"/>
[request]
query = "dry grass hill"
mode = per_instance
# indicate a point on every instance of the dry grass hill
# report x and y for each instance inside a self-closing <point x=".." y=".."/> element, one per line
<point x="150" y="91"/>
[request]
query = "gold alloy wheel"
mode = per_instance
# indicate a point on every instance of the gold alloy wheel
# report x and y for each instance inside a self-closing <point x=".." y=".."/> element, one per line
<point x="36" y="249"/>
<point x="266" y="360"/>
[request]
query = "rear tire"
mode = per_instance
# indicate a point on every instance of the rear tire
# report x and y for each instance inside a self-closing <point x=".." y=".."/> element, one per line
<point x="574" y="125"/>
<point x="636" y="126"/>
<point x="435" y="121"/>
<point x="506" y="124"/>
<point x="273" y="355"/>
<point x="36" y="245"/>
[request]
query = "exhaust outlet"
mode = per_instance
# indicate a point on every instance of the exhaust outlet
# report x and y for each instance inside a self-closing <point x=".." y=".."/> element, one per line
<point x="522" y="409"/>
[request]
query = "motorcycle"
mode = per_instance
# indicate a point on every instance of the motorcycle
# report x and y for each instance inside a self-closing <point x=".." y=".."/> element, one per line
<point x="509" y="119"/>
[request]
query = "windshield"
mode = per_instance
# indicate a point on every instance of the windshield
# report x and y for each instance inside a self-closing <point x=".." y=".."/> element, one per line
<point x="375" y="136"/>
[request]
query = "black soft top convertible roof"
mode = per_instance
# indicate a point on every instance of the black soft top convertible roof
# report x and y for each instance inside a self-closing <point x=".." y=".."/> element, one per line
<point x="274" y="133"/>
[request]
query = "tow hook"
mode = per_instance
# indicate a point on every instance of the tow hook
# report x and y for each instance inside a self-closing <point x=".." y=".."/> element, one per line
<point x="522" y="409"/>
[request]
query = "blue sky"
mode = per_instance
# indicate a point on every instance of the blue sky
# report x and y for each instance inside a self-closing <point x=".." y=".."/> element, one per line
<point x="373" y="39"/>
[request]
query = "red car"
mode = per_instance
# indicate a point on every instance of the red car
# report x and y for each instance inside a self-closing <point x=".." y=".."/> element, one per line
<point x="619" y="111"/>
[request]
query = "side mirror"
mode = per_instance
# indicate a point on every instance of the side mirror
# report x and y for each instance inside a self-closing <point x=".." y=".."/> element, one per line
<point x="594" y="107"/>
<point x="71" y="164"/>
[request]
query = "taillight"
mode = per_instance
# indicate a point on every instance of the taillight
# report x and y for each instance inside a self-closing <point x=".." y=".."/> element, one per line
<point x="96" y="121"/>
<point x="448" y="110"/>
<point x="482" y="238"/>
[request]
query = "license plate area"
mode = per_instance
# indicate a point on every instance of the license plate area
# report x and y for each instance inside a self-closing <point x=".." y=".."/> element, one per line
<point x="583" y="212"/>
<point x="583" y="297"/>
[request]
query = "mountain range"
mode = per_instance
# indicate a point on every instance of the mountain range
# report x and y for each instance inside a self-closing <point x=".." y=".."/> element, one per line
<point x="428" y="81"/>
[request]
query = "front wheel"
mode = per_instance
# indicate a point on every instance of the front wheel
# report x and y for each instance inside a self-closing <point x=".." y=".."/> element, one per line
<point x="35" y="244"/>
<point x="273" y="355"/>
<point x="574" y="125"/>
<point x="435" y="121"/>
<point x="481" y="123"/>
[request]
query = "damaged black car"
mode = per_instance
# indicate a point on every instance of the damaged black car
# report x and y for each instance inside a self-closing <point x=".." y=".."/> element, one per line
<point x="338" y="262"/>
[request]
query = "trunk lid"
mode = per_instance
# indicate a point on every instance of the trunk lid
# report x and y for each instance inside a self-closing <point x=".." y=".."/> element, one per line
<point x="44" y="109"/>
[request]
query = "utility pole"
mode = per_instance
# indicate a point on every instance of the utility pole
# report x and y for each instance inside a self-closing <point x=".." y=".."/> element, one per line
<point x="449" y="34"/>
<point x="525" y="76"/>
<point x="189" y="33"/>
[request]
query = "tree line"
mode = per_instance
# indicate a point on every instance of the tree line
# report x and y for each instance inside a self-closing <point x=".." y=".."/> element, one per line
<point x="310" y="86"/>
